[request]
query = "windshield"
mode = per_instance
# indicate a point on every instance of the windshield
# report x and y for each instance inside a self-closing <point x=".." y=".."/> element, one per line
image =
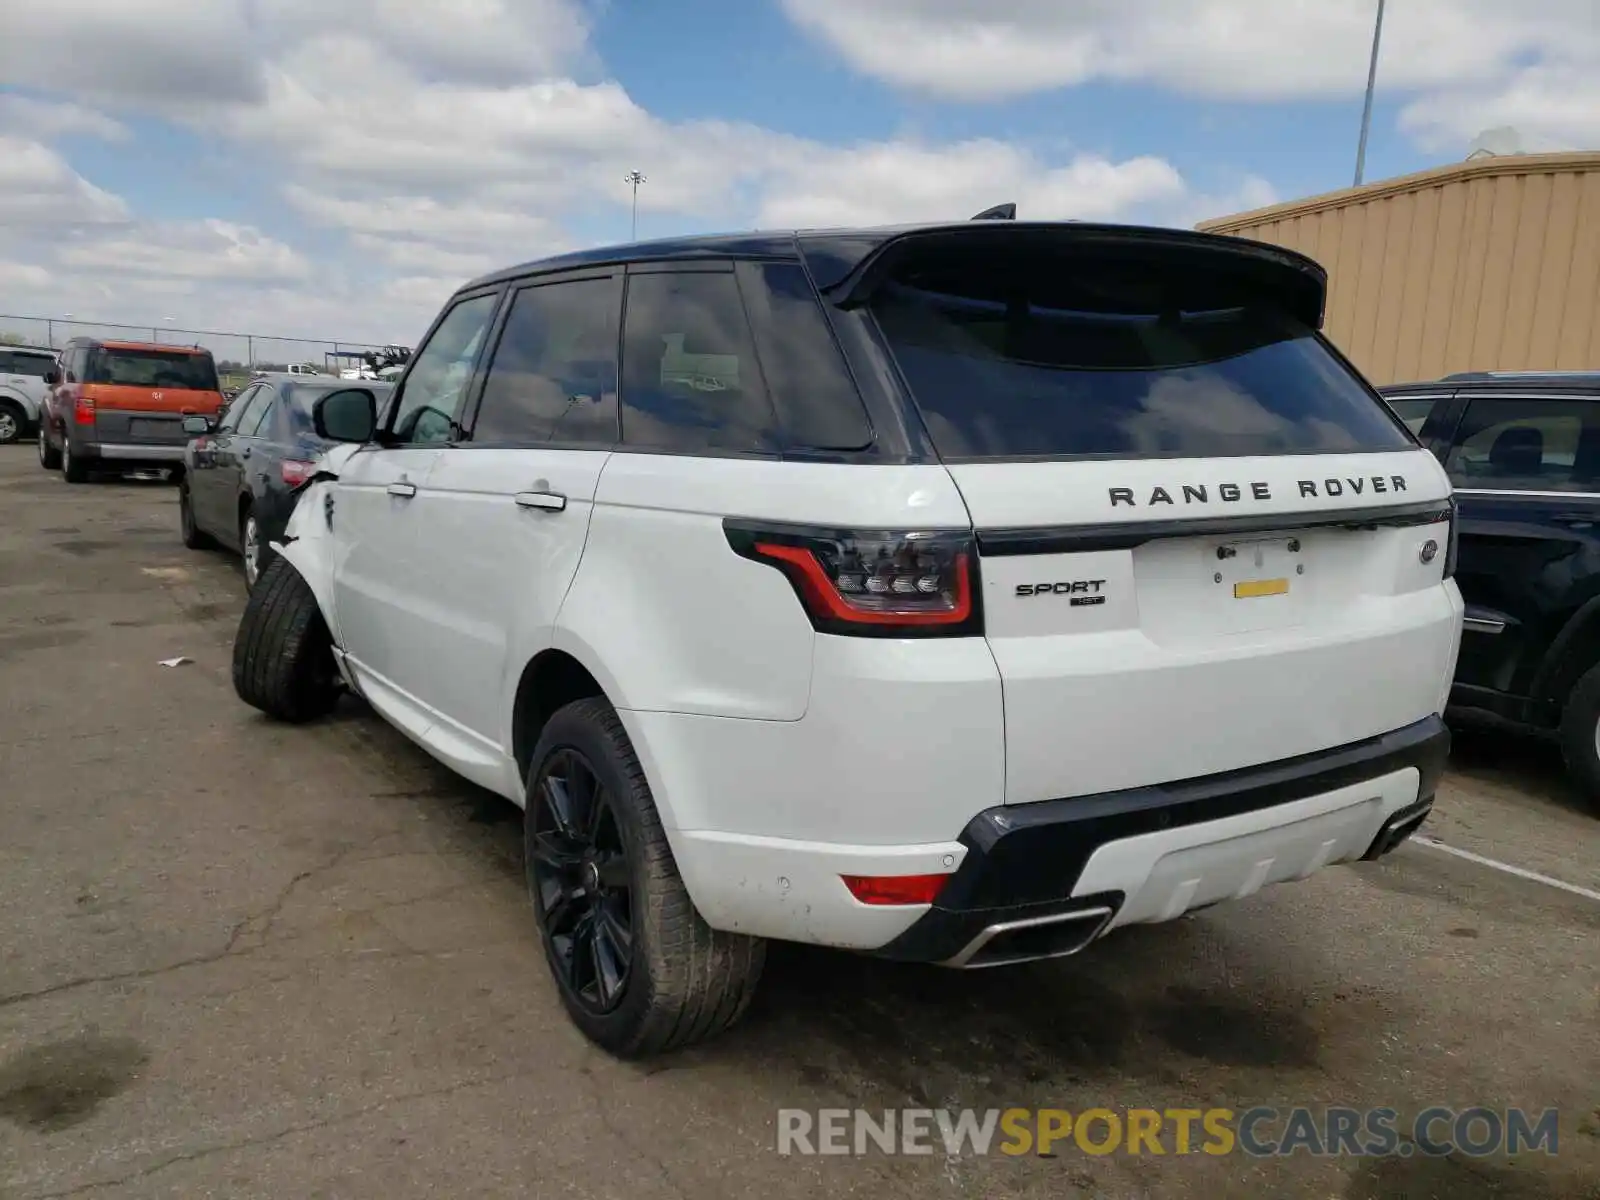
<point x="1000" y="379"/>
<point x="180" y="369"/>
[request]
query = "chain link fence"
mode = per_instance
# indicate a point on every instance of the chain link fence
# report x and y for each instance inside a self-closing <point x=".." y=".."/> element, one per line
<point x="237" y="354"/>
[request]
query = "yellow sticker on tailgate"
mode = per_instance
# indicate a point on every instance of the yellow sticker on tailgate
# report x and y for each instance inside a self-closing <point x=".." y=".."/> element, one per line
<point x="1250" y="588"/>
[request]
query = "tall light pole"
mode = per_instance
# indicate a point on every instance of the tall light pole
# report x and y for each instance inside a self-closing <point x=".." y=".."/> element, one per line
<point x="635" y="178"/>
<point x="1366" y="110"/>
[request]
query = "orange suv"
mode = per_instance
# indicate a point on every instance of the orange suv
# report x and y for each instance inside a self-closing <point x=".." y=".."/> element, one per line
<point x="119" y="406"/>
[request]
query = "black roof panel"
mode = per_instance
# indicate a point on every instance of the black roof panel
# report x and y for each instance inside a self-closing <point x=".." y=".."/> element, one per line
<point x="833" y="254"/>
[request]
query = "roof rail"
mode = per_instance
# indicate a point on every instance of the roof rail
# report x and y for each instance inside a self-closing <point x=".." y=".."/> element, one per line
<point x="1523" y="375"/>
<point x="1000" y="212"/>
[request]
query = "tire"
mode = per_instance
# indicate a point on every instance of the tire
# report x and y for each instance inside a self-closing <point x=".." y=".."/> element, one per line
<point x="193" y="536"/>
<point x="684" y="982"/>
<point x="282" y="653"/>
<point x="49" y="456"/>
<point x="1580" y="733"/>
<point x="13" y="423"/>
<point x="73" y="469"/>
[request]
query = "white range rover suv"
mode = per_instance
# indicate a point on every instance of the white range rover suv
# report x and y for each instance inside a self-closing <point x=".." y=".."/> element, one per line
<point x="954" y="594"/>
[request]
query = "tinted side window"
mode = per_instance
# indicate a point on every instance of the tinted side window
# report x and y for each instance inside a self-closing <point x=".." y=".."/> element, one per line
<point x="230" y="419"/>
<point x="689" y="376"/>
<point x="36" y="365"/>
<point x="1528" y="445"/>
<point x="431" y="400"/>
<point x="553" y="378"/>
<point x="256" y="421"/>
<point x="812" y="393"/>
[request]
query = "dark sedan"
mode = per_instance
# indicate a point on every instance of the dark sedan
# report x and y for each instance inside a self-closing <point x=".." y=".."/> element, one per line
<point x="243" y="472"/>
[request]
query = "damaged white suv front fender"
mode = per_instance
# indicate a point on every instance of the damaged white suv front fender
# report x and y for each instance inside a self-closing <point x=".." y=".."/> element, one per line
<point x="308" y="544"/>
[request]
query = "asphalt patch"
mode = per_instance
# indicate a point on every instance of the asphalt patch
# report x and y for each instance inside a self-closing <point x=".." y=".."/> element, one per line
<point x="15" y="645"/>
<point x="1455" y="1178"/>
<point x="1222" y="1030"/>
<point x="85" y="547"/>
<point x="60" y="1084"/>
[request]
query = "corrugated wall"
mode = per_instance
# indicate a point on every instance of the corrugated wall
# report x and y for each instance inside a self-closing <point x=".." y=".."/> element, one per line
<point x="1487" y="265"/>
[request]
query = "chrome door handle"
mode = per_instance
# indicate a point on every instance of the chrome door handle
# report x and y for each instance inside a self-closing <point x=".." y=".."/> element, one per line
<point x="549" y="501"/>
<point x="404" y="490"/>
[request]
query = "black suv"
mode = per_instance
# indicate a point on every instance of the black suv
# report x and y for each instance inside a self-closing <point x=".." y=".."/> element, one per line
<point x="1523" y="451"/>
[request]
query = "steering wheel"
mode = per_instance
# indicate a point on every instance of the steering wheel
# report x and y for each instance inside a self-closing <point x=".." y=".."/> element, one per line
<point x="443" y="423"/>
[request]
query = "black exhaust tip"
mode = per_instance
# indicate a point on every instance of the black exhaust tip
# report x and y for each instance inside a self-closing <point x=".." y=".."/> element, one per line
<point x="1398" y="828"/>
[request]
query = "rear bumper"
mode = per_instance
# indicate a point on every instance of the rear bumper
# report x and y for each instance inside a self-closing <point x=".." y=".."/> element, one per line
<point x="1045" y="879"/>
<point x="126" y="452"/>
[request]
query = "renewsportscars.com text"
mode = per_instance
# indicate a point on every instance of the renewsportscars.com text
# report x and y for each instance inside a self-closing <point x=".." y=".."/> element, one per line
<point x="1262" y="1132"/>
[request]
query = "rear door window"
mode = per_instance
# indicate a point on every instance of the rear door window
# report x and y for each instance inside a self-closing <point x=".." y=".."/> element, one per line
<point x="1017" y="377"/>
<point x="690" y="381"/>
<point x="256" y="420"/>
<point x="240" y="410"/>
<point x="1527" y="445"/>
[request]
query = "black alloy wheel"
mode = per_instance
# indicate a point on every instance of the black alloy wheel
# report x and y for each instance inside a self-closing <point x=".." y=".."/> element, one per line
<point x="580" y="878"/>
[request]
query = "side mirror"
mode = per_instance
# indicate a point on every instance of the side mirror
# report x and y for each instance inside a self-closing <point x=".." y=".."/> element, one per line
<point x="52" y="377"/>
<point x="348" y="415"/>
<point x="197" y="426"/>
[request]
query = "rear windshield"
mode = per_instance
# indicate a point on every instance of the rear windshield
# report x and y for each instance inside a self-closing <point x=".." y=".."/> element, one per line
<point x="1003" y="379"/>
<point x="303" y="399"/>
<point x="179" y="369"/>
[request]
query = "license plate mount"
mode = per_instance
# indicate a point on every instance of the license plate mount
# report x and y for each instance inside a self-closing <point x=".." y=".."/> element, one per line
<point x="1259" y="568"/>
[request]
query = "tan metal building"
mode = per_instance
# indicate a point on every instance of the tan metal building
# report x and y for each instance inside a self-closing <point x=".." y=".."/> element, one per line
<point x="1492" y="264"/>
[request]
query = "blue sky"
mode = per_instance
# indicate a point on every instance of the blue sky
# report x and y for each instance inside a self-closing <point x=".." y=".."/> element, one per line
<point x="334" y="168"/>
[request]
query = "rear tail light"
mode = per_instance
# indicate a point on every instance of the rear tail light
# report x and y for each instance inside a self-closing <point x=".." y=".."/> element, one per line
<point x="895" y="889"/>
<point x="83" y="411"/>
<point x="872" y="583"/>
<point x="296" y="472"/>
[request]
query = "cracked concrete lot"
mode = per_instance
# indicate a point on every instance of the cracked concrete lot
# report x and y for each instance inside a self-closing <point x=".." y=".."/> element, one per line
<point x="244" y="960"/>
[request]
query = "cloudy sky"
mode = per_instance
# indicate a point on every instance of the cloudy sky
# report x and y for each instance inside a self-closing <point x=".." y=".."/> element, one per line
<point x="333" y="168"/>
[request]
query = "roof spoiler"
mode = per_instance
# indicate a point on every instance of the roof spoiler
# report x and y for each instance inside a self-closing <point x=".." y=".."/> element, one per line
<point x="1290" y="281"/>
<point x="1000" y="212"/>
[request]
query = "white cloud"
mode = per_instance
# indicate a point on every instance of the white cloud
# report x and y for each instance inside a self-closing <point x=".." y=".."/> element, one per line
<point x="22" y="277"/>
<point x="199" y="250"/>
<point x="896" y="182"/>
<point x="160" y="54"/>
<point x="1243" y="49"/>
<point x="48" y="119"/>
<point x="38" y="188"/>
<point x="1551" y="108"/>
<point x="499" y="219"/>
<point x="408" y="254"/>
<point x="486" y="41"/>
